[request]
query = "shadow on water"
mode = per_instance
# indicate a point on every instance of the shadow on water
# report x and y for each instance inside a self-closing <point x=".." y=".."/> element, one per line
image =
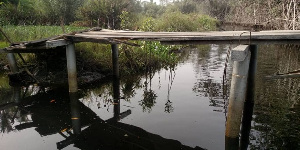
<point x="52" y="112"/>
<point x="179" y="108"/>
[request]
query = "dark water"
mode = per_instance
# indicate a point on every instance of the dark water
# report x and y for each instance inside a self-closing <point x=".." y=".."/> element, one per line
<point x="179" y="108"/>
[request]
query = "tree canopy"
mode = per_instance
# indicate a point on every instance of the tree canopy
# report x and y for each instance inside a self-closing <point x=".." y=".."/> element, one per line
<point x="108" y="13"/>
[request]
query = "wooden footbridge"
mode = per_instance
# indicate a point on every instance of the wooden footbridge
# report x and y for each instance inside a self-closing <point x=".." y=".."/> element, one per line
<point x="244" y="56"/>
<point x="104" y="36"/>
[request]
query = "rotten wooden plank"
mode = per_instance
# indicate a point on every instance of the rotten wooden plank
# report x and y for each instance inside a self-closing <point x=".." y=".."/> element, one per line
<point x="56" y="43"/>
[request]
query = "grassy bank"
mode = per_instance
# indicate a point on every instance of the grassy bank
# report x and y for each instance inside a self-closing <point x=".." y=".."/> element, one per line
<point x="27" y="33"/>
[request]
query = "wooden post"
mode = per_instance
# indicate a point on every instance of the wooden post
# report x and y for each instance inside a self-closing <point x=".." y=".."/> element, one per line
<point x="241" y="57"/>
<point x="72" y="71"/>
<point x="115" y="60"/>
<point x="12" y="63"/>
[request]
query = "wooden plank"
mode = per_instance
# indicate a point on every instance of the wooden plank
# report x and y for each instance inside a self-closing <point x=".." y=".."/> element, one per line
<point x="201" y="42"/>
<point x="56" y="43"/>
<point x="205" y="36"/>
<point x="101" y="40"/>
<point x="239" y="53"/>
<point x="29" y="50"/>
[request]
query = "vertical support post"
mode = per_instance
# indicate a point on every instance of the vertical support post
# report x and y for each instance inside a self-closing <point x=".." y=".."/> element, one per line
<point x="73" y="87"/>
<point x="17" y="94"/>
<point x="116" y="96"/>
<point x="12" y="62"/>
<point x="72" y="71"/>
<point x="75" y="113"/>
<point x="115" y="60"/>
<point x="249" y="102"/>
<point x="252" y="74"/>
<point x="241" y="57"/>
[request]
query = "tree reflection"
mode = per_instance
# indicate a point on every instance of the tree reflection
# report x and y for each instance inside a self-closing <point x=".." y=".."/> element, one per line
<point x="6" y="125"/>
<point x="168" y="105"/>
<point x="208" y="59"/>
<point x="149" y="95"/>
<point x="276" y="121"/>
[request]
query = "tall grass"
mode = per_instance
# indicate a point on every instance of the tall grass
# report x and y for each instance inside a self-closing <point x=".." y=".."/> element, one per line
<point x="27" y="33"/>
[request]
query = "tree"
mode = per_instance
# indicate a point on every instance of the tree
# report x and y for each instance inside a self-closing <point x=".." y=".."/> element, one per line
<point x="106" y="13"/>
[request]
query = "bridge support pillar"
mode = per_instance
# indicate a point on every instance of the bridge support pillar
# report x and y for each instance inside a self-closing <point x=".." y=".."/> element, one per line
<point x="115" y="60"/>
<point x="241" y="57"/>
<point x="72" y="70"/>
<point x="12" y="63"/>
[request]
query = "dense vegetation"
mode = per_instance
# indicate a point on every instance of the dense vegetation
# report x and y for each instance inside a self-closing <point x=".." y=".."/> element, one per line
<point x="110" y="13"/>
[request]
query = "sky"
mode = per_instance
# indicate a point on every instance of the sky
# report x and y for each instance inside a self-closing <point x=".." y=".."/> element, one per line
<point x="157" y="1"/>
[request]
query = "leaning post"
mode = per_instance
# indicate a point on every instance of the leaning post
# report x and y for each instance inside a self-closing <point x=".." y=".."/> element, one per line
<point x="241" y="59"/>
<point x="115" y="60"/>
<point x="72" y="70"/>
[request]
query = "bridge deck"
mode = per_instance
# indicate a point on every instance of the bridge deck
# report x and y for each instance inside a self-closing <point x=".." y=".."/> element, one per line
<point x="118" y="36"/>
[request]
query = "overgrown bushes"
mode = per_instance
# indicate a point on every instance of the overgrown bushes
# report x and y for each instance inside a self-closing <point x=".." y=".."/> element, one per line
<point x="177" y="22"/>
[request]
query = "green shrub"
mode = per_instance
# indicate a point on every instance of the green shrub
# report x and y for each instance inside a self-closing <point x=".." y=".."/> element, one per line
<point x="207" y="23"/>
<point x="177" y="22"/>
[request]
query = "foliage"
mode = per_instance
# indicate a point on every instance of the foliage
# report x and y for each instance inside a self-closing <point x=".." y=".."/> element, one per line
<point x="57" y="11"/>
<point x="106" y="13"/>
<point x="185" y="22"/>
<point x="17" y="12"/>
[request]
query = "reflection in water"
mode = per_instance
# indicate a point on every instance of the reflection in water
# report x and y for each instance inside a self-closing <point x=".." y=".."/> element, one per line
<point x="143" y="112"/>
<point x="179" y="108"/>
<point x="275" y="121"/>
<point x="75" y="113"/>
<point x="149" y="95"/>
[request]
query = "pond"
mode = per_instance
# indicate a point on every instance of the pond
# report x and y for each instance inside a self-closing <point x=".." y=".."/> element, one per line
<point x="184" y="107"/>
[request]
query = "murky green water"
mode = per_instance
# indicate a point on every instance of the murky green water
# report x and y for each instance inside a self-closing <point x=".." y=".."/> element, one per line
<point x="180" y="108"/>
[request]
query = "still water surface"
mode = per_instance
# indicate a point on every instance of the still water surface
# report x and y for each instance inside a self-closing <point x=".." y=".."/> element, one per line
<point x="179" y="108"/>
